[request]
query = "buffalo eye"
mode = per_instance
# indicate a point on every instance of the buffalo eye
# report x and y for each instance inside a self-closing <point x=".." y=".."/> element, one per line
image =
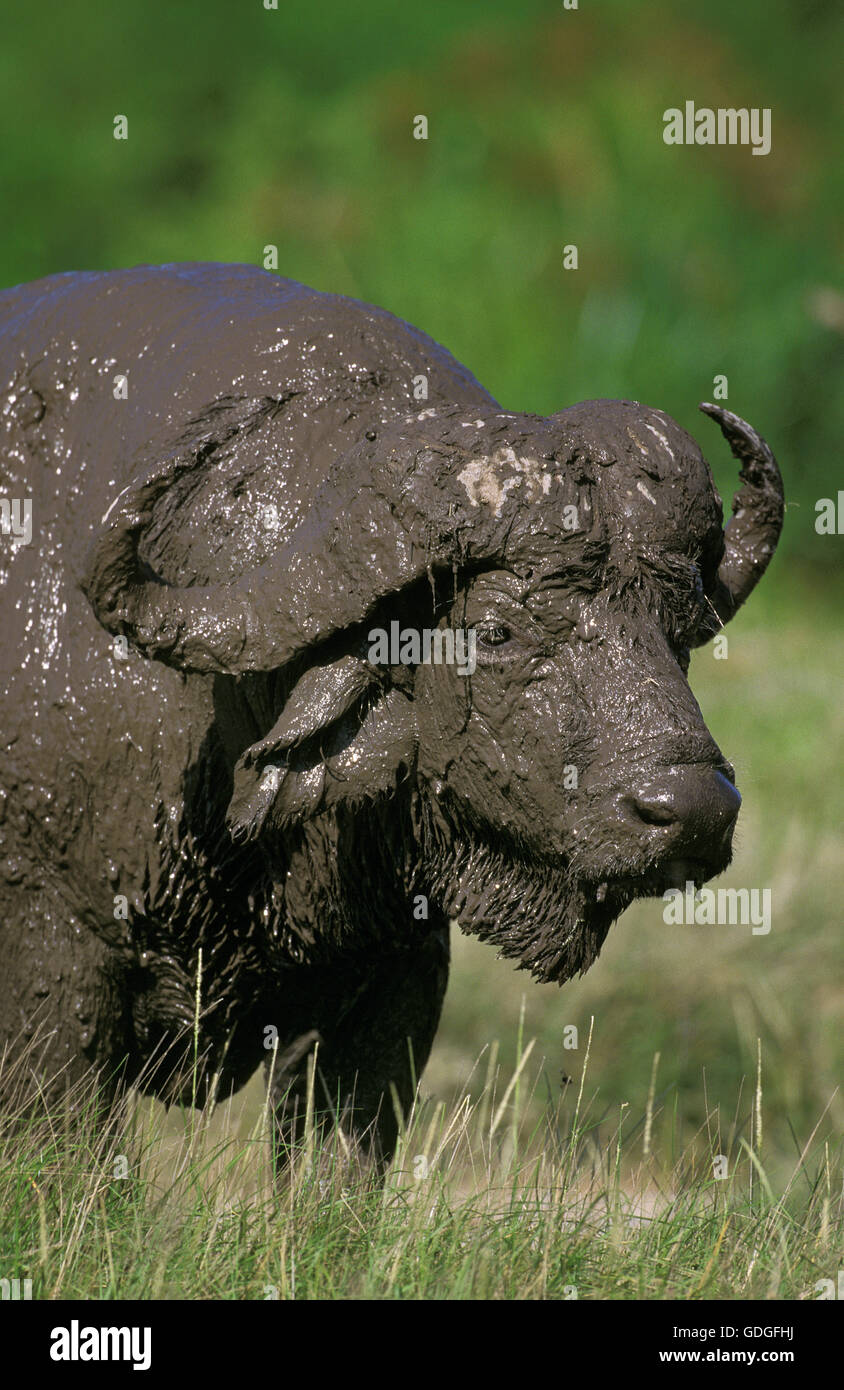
<point x="494" y="634"/>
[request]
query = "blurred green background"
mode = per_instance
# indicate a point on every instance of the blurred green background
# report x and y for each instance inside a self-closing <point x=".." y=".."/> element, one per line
<point x="294" y="127"/>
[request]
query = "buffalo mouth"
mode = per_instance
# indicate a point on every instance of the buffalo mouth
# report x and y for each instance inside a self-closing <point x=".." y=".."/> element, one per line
<point x="550" y="914"/>
<point x="657" y="881"/>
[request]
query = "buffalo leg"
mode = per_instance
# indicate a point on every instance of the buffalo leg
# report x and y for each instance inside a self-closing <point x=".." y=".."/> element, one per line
<point x="375" y="1037"/>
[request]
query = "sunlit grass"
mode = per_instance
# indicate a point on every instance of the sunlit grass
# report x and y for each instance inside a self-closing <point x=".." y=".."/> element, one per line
<point x="480" y="1202"/>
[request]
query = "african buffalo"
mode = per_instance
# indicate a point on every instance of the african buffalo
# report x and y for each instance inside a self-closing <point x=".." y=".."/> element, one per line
<point x="236" y="482"/>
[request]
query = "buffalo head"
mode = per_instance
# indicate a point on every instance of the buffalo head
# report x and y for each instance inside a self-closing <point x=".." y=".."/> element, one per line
<point x="571" y="770"/>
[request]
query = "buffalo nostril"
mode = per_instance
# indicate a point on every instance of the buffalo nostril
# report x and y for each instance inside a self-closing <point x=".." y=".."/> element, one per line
<point x="653" y="810"/>
<point x="698" y="804"/>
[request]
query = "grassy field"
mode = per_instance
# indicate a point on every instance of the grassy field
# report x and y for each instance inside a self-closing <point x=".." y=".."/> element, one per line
<point x="479" y="1203"/>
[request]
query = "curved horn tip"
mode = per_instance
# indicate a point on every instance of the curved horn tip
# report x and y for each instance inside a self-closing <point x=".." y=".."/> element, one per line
<point x="756" y="457"/>
<point x="732" y="426"/>
<point x="736" y="430"/>
<point x="714" y="410"/>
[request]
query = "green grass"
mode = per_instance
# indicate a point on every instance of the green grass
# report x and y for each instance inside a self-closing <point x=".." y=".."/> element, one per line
<point x="479" y="1203"/>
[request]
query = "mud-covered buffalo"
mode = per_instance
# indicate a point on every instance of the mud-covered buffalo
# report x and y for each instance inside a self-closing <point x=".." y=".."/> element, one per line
<point x="214" y="786"/>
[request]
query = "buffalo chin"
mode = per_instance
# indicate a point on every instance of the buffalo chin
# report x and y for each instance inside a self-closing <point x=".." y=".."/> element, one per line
<point x="549" y="915"/>
<point x="538" y="913"/>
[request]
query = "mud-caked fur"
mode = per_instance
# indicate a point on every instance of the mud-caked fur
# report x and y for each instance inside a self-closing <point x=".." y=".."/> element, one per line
<point x="208" y="784"/>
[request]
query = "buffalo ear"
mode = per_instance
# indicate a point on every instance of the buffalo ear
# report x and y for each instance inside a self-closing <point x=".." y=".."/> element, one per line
<point x="318" y="700"/>
<point x="252" y="800"/>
